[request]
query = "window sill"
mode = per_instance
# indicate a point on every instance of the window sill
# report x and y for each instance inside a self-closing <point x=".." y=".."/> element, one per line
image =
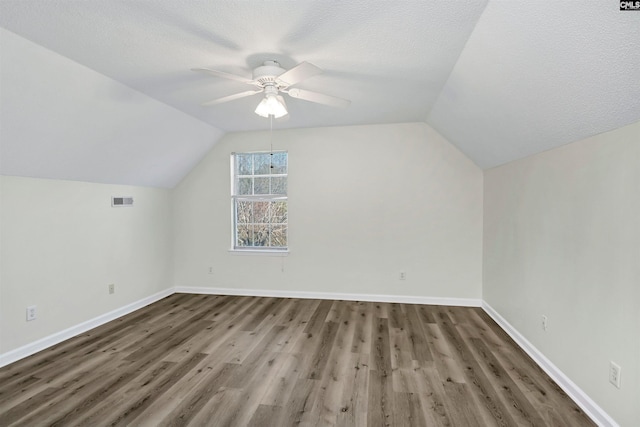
<point x="259" y="252"/>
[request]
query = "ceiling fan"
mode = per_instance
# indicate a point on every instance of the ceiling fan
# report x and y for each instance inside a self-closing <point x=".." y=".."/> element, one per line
<point x="272" y="79"/>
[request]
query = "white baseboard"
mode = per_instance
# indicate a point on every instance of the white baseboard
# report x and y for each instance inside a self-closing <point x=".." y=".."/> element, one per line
<point x="464" y="302"/>
<point x="41" y="344"/>
<point x="595" y="412"/>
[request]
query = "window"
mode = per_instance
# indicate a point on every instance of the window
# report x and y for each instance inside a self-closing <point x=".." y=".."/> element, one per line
<point x="259" y="199"/>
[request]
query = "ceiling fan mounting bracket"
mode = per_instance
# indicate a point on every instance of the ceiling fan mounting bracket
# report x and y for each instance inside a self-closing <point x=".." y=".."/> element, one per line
<point x="267" y="73"/>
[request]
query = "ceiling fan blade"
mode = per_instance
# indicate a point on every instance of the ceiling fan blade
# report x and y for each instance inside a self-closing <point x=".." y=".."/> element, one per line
<point x="300" y="72"/>
<point x="224" y="75"/>
<point x="319" y="98"/>
<point x="231" y="97"/>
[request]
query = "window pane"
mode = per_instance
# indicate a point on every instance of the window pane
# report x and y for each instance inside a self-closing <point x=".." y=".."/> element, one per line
<point x="278" y="212"/>
<point x="279" y="162"/>
<point x="261" y="164"/>
<point x="261" y="212"/>
<point x="244" y="212"/>
<point x="279" y="185"/>
<point x="279" y="236"/>
<point x="244" y="162"/>
<point x="261" y="185"/>
<point x="244" y="236"/>
<point x="244" y="186"/>
<point x="261" y="235"/>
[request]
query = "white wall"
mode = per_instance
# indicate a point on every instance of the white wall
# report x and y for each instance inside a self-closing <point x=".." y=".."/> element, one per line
<point x="562" y="239"/>
<point x="365" y="202"/>
<point x="62" y="244"/>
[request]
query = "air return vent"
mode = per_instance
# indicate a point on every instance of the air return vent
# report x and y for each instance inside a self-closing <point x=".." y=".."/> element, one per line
<point x="119" y="202"/>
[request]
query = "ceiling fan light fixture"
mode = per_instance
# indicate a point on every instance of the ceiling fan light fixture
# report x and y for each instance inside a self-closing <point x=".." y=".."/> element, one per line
<point x="272" y="105"/>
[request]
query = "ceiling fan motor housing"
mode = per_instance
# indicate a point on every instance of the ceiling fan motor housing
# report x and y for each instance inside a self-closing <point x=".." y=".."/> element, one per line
<point x="267" y="73"/>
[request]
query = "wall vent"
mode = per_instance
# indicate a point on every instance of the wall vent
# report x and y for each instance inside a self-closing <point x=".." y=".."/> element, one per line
<point x="118" y="202"/>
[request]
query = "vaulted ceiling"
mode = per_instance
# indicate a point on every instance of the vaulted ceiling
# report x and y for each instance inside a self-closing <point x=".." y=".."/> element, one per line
<point x="499" y="79"/>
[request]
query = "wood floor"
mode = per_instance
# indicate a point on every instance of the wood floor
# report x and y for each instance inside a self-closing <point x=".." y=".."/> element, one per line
<point x="208" y="360"/>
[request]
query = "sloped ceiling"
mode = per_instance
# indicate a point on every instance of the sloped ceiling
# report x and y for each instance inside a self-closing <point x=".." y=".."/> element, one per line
<point x="499" y="79"/>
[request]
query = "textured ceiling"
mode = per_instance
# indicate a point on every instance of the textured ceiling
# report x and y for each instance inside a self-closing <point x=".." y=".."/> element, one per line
<point x="499" y="79"/>
<point x="536" y="75"/>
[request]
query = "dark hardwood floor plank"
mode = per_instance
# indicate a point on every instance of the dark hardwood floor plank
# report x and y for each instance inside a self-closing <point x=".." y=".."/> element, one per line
<point x="463" y="409"/>
<point x="380" y="401"/>
<point x="225" y="330"/>
<point x="238" y="347"/>
<point x="335" y="311"/>
<point x="401" y="356"/>
<point x="269" y="307"/>
<point x="381" y="350"/>
<point x="425" y="312"/>
<point x="318" y="357"/>
<point x="354" y="399"/>
<point x="419" y="346"/>
<point x="281" y="387"/>
<point x="433" y="398"/>
<point x="222" y="305"/>
<point x="255" y="361"/>
<point x="407" y="410"/>
<point x="165" y="343"/>
<point x="332" y="381"/>
<point x="295" y="340"/>
<point x="381" y="310"/>
<point x="318" y="317"/>
<point x="448" y="368"/>
<point x="299" y="403"/>
<point x="220" y="410"/>
<point x="397" y="316"/>
<point x="264" y="416"/>
<point x="256" y="388"/>
<point x="361" y="341"/>
<point x="198" y="397"/>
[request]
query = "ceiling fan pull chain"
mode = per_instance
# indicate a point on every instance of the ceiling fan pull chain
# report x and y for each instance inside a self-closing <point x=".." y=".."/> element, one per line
<point x="270" y="141"/>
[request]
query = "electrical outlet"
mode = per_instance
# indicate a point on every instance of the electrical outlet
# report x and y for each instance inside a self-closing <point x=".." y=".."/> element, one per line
<point x="403" y="275"/>
<point x="210" y="270"/>
<point x="614" y="373"/>
<point x="545" y="322"/>
<point x="31" y="313"/>
<point x="112" y="288"/>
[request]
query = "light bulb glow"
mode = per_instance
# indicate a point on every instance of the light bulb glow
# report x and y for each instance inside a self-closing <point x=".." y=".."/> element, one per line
<point x="272" y="105"/>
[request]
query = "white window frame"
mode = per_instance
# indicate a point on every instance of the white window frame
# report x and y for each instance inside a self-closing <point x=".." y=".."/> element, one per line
<point x="255" y="250"/>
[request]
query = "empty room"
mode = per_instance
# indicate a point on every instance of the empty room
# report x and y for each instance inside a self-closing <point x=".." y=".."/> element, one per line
<point x="337" y="213"/>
